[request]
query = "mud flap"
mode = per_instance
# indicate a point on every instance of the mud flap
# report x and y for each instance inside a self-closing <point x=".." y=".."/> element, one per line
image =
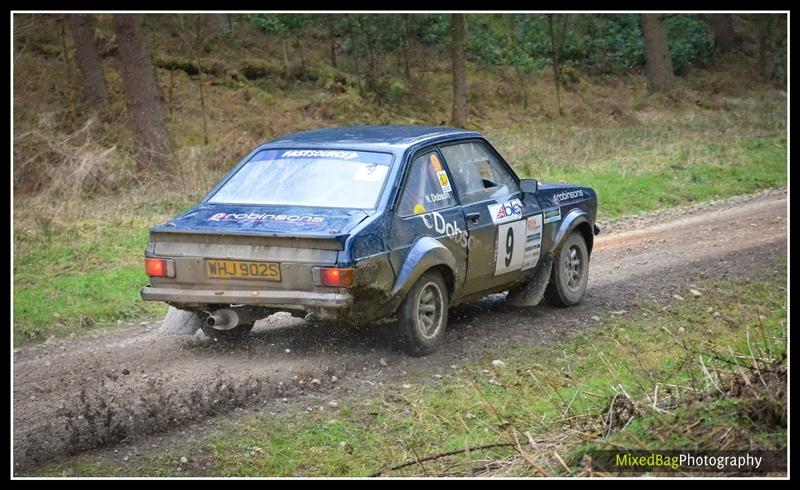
<point x="531" y="294"/>
<point x="180" y="322"/>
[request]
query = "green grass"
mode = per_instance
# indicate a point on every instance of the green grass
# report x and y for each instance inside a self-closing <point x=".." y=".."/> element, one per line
<point x="83" y="275"/>
<point x="624" y="189"/>
<point x="557" y="393"/>
<point x="78" y="301"/>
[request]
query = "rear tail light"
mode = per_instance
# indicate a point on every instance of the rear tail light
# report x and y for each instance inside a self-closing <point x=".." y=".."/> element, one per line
<point x="159" y="267"/>
<point x="333" y="276"/>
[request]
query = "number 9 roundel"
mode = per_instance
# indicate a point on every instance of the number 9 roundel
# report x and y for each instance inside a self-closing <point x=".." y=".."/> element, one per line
<point x="510" y="247"/>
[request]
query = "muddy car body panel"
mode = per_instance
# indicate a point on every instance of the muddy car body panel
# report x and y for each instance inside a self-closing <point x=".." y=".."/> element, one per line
<point x="412" y="199"/>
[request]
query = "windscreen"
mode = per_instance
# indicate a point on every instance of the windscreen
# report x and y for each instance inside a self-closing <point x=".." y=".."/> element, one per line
<point x="321" y="178"/>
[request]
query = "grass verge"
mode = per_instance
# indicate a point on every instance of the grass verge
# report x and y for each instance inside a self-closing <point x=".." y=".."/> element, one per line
<point x="634" y="186"/>
<point x="534" y="413"/>
<point x="82" y="275"/>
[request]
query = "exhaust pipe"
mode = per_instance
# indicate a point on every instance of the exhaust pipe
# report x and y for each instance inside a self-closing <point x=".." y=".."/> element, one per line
<point x="223" y="319"/>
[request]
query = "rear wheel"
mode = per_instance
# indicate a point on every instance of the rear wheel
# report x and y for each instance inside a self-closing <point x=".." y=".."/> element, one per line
<point x="180" y="322"/>
<point x="423" y="315"/>
<point x="570" y="272"/>
<point x="236" y="333"/>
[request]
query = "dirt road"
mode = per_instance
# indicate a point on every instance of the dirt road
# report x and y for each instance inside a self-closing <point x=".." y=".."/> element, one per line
<point x="93" y="391"/>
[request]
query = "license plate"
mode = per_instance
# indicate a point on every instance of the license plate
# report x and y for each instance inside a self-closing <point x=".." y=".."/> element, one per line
<point x="237" y="269"/>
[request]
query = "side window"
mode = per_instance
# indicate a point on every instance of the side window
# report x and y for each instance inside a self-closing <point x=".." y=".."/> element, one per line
<point x="477" y="173"/>
<point x="427" y="187"/>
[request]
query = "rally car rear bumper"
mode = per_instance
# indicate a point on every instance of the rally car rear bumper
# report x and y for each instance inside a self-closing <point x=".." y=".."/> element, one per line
<point x="273" y="299"/>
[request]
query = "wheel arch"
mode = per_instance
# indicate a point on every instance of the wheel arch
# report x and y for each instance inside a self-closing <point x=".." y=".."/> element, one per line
<point x="586" y="230"/>
<point x="426" y="254"/>
<point x="575" y="220"/>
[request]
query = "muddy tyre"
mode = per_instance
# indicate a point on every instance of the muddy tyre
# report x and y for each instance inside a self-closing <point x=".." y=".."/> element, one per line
<point x="180" y="322"/>
<point x="570" y="272"/>
<point x="236" y="333"/>
<point x="422" y="316"/>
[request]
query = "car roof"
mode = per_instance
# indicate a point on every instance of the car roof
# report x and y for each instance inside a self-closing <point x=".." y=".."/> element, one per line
<point x="394" y="138"/>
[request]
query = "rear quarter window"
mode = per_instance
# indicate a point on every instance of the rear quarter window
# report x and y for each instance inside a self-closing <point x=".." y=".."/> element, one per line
<point x="427" y="188"/>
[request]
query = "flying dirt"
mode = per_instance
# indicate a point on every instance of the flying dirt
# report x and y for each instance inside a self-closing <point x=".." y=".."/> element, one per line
<point x="94" y="391"/>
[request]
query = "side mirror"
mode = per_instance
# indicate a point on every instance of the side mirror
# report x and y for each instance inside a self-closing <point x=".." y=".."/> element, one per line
<point x="530" y="186"/>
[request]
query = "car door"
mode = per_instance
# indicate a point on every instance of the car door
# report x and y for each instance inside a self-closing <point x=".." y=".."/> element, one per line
<point x="503" y="241"/>
<point x="427" y="206"/>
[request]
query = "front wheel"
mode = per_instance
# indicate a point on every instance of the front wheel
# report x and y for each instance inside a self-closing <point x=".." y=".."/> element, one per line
<point x="570" y="272"/>
<point x="423" y="315"/>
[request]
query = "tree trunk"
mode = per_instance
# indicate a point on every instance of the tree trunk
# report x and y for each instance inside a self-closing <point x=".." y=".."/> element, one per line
<point x="767" y="25"/>
<point x="556" y="43"/>
<point x="169" y="92"/>
<point x="724" y="38"/>
<point x="68" y="71"/>
<point x="332" y="40"/>
<point x="90" y="67"/>
<point x="142" y="94"/>
<point x="284" y="42"/>
<point x="353" y="40"/>
<point x="523" y="82"/>
<point x="459" y="118"/>
<point x="658" y="60"/>
<point x="199" y="37"/>
<point x="224" y="24"/>
<point x="299" y="45"/>
<point x="406" y="48"/>
<point x="372" y="77"/>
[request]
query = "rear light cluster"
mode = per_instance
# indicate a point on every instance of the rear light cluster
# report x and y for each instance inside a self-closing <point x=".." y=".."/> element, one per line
<point x="159" y="267"/>
<point x="335" y="277"/>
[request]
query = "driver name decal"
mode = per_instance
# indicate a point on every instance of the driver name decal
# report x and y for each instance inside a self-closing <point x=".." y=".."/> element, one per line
<point x="437" y="196"/>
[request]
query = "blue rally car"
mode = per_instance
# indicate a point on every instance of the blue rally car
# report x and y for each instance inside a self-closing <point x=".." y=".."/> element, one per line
<point x="361" y="224"/>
